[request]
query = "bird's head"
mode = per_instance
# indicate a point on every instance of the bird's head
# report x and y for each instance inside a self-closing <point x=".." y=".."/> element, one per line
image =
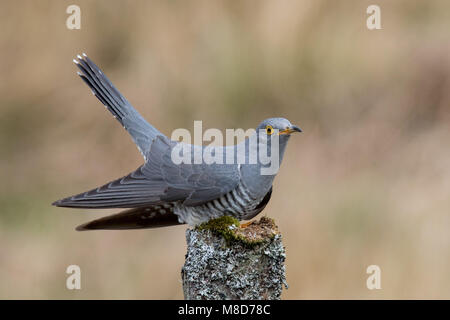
<point x="273" y="134"/>
<point x="280" y="126"/>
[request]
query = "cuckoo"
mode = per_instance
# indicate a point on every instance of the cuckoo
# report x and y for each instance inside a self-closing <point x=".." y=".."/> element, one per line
<point x="163" y="192"/>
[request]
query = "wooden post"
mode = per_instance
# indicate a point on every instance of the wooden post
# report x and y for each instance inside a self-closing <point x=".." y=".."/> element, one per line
<point x="225" y="261"/>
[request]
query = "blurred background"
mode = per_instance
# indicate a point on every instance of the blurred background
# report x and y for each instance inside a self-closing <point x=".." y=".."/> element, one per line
<point x="368" y="181"/>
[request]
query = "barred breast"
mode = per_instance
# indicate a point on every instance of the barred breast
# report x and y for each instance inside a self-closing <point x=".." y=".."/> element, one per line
<point x="237" y="203"/>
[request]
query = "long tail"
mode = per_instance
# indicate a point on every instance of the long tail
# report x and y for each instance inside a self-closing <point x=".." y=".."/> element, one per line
<point x="140" y="130"/>
<point x="138" y="218"/>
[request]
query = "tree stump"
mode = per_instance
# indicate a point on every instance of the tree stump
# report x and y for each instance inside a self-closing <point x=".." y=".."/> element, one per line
<point x="225" y="261"/>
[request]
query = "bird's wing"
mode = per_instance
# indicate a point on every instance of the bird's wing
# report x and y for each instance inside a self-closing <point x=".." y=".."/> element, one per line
<point x="160" y="180"/>
<point x="140" y="130"/>
<point x="193" y="184"/>
<point x="131" y="191"/>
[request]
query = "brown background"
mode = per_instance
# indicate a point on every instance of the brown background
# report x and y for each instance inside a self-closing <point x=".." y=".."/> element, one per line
<point x="366" y="183"/>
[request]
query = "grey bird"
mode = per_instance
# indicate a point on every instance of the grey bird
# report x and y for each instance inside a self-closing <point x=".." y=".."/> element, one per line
<point x="162" y="193"/>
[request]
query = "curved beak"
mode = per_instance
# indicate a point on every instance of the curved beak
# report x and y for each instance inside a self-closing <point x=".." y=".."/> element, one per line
<point x="290" y="130"/>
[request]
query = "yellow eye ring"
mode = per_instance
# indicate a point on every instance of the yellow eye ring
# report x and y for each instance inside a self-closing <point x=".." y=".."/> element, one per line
<point x="269" y="129"/>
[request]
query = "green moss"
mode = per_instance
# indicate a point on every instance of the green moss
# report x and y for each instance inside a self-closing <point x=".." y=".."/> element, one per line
<point x="228" y="227"/>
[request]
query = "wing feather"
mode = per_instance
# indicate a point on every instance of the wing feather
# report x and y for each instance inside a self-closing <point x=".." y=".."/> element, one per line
<point x="160" y="181"/>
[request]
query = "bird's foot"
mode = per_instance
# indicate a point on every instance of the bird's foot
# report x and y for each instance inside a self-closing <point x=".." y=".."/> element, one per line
<point x="245" y="225"/>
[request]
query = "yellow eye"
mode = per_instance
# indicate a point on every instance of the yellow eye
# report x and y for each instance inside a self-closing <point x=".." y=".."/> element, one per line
<point x="269" y="129"/>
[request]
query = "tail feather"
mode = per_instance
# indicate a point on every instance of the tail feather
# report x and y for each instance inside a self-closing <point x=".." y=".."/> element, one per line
<point x="140" y="130"/>
<point x="138" y="218"/>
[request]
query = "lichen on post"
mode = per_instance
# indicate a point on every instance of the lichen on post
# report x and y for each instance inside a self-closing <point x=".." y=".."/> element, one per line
<point x="225" y="261"/>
